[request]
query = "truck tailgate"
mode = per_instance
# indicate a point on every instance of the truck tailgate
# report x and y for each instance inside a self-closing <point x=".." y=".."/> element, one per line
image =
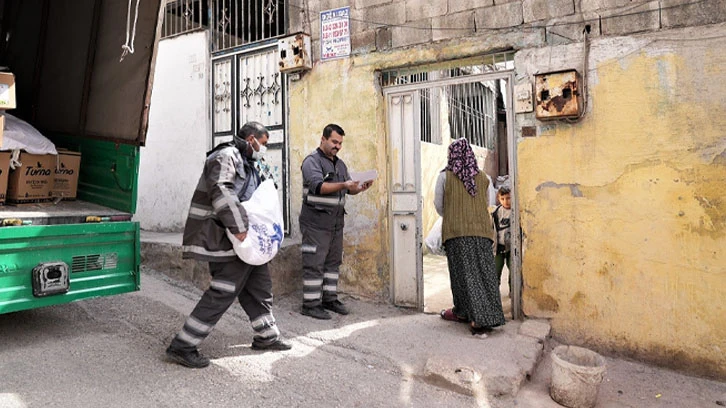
<point x="96" y="259"/>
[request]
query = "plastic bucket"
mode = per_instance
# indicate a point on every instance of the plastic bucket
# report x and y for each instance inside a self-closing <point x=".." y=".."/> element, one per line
<point x="576" y="376"/>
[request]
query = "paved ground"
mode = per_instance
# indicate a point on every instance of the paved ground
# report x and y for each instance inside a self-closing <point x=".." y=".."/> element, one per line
<point x="423" y="348"/>
<point x="110" y="352"/>
<point x="437" y="288"/>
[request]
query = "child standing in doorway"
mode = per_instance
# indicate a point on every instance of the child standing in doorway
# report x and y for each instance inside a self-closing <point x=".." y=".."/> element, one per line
<point x="501" y="216"/>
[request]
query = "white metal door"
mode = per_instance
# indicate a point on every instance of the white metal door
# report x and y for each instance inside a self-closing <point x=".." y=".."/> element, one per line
<point x="407" y="274"/>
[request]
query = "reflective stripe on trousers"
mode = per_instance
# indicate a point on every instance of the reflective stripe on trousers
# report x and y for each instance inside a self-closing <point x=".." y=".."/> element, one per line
<point x="322" y="255"/>
<point x="250" y="285"/>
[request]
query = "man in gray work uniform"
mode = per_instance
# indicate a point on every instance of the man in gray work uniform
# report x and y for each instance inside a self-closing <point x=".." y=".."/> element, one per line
<point x="228" y="179"/>
<point x="325" y="184"/>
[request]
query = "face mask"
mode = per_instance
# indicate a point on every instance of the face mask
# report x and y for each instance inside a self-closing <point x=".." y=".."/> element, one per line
<point x="257" y="155"/>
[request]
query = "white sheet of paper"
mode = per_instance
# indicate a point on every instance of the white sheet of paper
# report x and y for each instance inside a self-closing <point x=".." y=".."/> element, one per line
<point x="364" y="176"/>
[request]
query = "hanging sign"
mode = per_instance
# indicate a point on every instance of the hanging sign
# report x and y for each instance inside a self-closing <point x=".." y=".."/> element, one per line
<point x="335" y="33"/>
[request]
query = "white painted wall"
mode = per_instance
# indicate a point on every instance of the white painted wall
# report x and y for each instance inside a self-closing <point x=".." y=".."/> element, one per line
<point x="179" y="133"/>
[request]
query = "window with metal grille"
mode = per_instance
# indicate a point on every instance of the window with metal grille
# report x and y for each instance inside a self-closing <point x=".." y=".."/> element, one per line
<point x="472" y="112"/>
<point x="237" y="22"/>
<point x="184" y="16"/>
<point x="233" y="22"/>
<point x="468" y="110"/>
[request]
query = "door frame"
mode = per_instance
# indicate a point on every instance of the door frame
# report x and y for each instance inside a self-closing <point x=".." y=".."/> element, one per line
<point x="516" y="261"/>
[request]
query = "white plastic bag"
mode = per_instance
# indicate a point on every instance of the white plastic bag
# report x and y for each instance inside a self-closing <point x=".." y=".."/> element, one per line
<point x="264" y="234"/>
<point x="20" y="135"/>
<point x="433" y="240"/>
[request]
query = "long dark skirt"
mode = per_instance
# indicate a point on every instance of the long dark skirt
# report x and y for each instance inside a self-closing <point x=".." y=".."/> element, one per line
<point x="474" y="284"/>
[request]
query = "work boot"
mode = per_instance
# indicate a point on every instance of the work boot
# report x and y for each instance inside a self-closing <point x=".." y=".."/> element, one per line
<point x="277" y="345"/>
<point x="316" y="312"/>
<point x="191" y="359"/>
<point x="336" y="306"/>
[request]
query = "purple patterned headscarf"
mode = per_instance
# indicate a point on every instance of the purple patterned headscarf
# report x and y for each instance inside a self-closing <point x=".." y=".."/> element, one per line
<point x="462" y="163"/>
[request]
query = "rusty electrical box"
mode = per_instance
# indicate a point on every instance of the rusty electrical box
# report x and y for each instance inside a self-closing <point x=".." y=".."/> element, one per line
<point x="295" y="53"/>
<point x="557" y="95"/>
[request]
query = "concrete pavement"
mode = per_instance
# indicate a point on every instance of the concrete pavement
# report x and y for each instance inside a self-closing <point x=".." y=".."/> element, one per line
<point x="421" y="346"/>
<point x="509" y="368"/>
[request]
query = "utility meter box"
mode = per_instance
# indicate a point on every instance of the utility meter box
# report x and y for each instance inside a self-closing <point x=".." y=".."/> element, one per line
<point x="557" y="95"/>
<point x="295" y="53"/>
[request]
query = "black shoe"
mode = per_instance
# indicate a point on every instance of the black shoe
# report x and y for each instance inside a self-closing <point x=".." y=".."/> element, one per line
<point x="480" y="330"/>
<point x="191" y="359"/>
<point x="336" y="306"/>
<point x="277" y="345"/>
<point x="317" y="312"/>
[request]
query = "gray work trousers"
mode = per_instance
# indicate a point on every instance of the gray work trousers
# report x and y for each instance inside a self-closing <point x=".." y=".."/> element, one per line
<point x="249" y="284"/>
<point x="322" y="255"/>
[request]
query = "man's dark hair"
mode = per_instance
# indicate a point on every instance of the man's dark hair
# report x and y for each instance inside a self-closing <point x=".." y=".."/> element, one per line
<point x="504" y="190"/>
<point x="252" y="128"/>
<point x="332" y="128"/>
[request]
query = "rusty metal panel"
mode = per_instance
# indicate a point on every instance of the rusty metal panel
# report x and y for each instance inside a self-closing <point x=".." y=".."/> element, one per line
<point x="295" y="53"/>
<point x="557" y="95"/>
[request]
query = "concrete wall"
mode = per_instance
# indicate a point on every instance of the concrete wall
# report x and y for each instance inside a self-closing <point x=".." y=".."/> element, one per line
<point x="622" y="212"/>
<point x="179" y="133"/>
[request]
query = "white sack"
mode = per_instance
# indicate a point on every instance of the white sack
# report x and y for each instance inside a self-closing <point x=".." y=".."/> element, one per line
<point x="264" y="234"/>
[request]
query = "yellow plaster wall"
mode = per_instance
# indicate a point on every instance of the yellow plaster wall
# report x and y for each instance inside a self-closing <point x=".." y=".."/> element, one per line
<point x="625" y="213"/>
<point x="336" y="92"/>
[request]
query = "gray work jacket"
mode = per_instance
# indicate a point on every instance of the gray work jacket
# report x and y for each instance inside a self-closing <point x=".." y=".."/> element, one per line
<point x="323" y="210"/>
<point x="228" y="180"/>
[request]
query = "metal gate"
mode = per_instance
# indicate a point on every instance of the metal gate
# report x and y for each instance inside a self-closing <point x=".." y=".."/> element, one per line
<point x="248" y="86"/>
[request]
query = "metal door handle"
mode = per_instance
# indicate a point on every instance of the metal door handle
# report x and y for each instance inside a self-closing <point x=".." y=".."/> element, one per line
<point x="404" y="227"/>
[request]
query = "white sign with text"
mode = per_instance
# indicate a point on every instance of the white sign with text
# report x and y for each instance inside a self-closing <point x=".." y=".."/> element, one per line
<point x="335" y="33"/>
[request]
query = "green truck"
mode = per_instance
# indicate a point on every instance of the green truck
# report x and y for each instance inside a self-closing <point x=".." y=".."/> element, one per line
<point x="74" y="86"/>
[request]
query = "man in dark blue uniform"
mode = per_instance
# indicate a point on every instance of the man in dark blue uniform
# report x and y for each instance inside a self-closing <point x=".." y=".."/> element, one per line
<point x="326" y="182"/>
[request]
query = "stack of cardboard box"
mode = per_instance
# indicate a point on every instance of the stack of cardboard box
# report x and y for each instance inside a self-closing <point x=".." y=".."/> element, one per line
<point x="41" y="177"/>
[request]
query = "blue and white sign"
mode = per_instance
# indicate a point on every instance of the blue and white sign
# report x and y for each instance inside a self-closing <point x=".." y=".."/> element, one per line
<point x="335" y="33"/>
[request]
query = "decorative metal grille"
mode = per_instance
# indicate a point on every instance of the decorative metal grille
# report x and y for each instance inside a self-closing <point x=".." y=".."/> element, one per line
<point x="260" y="88"/>
<point x="183" y="16"/>
<point x="236" y="22"/>
<point x="222" y="102"/>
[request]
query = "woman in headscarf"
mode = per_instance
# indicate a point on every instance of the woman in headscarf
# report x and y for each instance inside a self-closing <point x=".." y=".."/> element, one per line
<point x="467" y="234"/>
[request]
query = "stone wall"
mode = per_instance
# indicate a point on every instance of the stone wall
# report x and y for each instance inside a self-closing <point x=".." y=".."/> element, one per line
<point x="383" y="25"/>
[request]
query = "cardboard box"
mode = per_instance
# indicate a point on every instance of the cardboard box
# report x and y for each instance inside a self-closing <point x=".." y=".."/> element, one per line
<point x="65" y="183"/>
<point x="7" y="90"/>
<point x="33" y="181"/>
<point x="4" y="171"/>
